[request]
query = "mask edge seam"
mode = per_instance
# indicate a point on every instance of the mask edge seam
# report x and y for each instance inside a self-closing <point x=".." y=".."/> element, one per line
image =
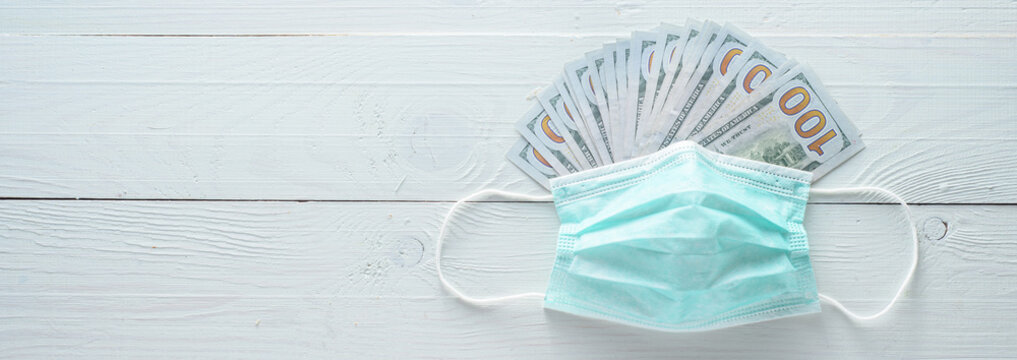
<point x="723" y="172"/>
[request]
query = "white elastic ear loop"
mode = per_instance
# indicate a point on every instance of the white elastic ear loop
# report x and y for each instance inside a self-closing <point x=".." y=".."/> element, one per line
<point x="914" y="251"/>
<point x="441" y="235"/>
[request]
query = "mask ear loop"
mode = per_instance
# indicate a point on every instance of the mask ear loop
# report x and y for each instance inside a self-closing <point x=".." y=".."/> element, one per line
<point x="441" y="236"/>
<point x="914" y="251"/>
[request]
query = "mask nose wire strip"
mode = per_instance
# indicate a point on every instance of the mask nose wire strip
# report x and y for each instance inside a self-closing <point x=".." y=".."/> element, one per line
<point x="914" y="251"/>
<point x="441" y="236"/>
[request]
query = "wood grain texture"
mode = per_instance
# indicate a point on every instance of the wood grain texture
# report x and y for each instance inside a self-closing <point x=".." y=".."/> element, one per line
<point x="344" y="118"/>
<point x="572" y="17"/>
<point x="350" y="279"/>
<point x="382" y="113"/>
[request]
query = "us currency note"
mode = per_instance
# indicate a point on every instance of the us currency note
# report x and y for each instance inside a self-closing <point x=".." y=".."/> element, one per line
<point x="610" y="84"/>
<point x="650" y="70"/>
<point x="596" y="62"/>
<point x="531" y="162"/>
<point x="621" y="62"/>
<point x="718" y="64"/>
<point x="561" y="84"/>
<point x="537" y="128"/>
<point x="561" y="113"/>
<point x="675" y="47"/>
<point x="761" y="65"/>
<point x="792" y="122"/>
<point x="691" y="58"/>
<point x="643" y="46"/>
<point x="579" y="81"/>
<point x="671" y="42"/>
<point x="674" y="40"/>
<point x="569" y="109"/>
<point x="621" y="80"/>
<point x="610" y="81"/>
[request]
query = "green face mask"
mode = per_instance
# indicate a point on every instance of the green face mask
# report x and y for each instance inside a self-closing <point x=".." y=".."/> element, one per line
<point x="684" y="239"/>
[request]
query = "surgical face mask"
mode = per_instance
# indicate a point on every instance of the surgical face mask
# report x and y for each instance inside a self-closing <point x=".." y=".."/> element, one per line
<point x="684" y="239"/>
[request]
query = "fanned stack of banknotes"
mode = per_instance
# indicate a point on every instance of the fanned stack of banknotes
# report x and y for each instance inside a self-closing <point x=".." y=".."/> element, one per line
<point x="711" y="84"/>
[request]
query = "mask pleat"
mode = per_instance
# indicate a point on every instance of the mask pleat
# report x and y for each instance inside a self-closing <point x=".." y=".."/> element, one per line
<point x="689" y="244"/>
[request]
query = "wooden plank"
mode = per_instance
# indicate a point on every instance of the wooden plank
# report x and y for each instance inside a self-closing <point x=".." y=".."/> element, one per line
<point x="350" y="168"/>
<point x="339" y="61"/>
<point x="344" y="118"/>
<point x="414" y="101"/>
<point x="329" y="326"/>
<point x="275" y="279"/>
<point x="563" y="18"/>
<point x="386" y="249"/>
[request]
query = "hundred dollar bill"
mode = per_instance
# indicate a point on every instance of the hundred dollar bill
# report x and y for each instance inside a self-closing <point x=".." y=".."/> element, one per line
<point x="717" y="65"/>
<point x="621" y="66"/>
<point x="671" y="42"/>
<point x="579" y="81"/>
<point x="610" y="83"/>
<point x="679" y="38"/>
<point x="572" y="110"/>
<point x="561" y="112"/>
<point x="690" y="61"/>
<point x="643" y="47"/>
<point x="650" y="69"/>
<point x="691" y="57"/>
<point x="760" y="64"/>
<point x="792" y="122"/>
<point x="537" y="129"/>
<point x="621" y="80"/>
<point x="672" y="39"/>
<point x="596" y="62"/>
<point x="531" y="162"/>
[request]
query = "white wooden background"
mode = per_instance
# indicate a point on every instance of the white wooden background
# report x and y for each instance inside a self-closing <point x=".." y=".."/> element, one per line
<point x="235" y="180"/>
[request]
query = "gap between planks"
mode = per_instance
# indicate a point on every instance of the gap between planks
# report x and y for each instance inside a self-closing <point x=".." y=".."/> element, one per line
<point x="23" y="198"/>
<point x="943" y="35"/>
